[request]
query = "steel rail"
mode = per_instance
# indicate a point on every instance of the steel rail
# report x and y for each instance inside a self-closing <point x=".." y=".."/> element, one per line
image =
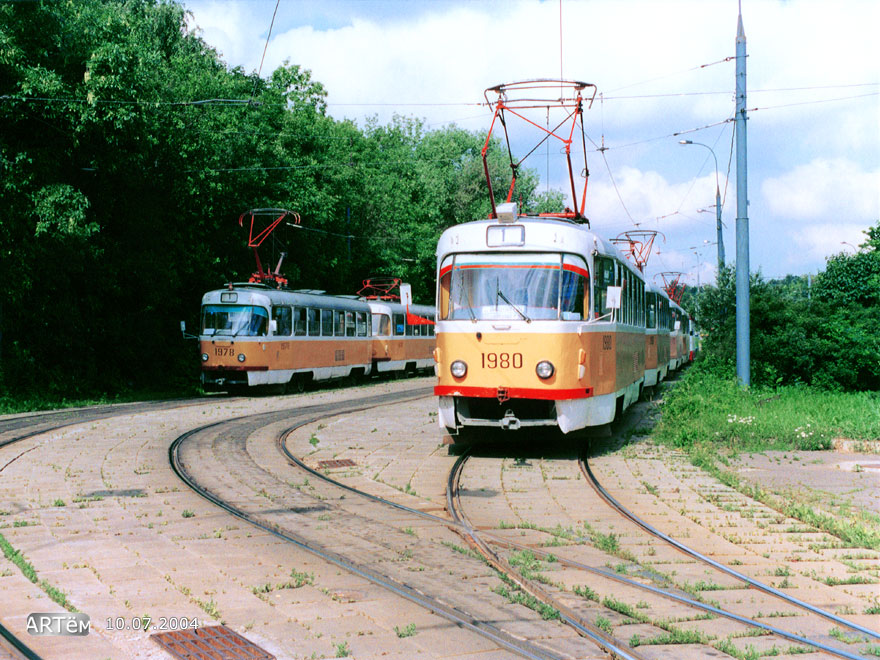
<point x="606" y="642"/>
<point x="450" y="613"/>
<point x="760" y="586"/>
<point x="792" y="637"/>
<point x="497" y="540"/>
<point x="17" y="645"/>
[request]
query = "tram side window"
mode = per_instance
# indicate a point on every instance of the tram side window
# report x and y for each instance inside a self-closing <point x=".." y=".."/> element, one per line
<point x="327" y="322"/>
<point x="299" y="321"/>
<point x="350" y="326"/>
<point x="284" y="320"/>
<point x="651" y="309"/>
<point x="314" y="322"/>
<point x="381" y="325"/>
<point x="399" y="325"/>
<point x="604" y="268"/>
<point x="431" y="327"/>
<point x="340" y="323"/>
<point x="409" y="330"/>
<point x="362" y="324"/>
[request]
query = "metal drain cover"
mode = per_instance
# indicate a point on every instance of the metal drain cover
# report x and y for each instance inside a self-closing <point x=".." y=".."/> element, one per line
<point x="336" y="463"/>
<point x="210" y="643"/>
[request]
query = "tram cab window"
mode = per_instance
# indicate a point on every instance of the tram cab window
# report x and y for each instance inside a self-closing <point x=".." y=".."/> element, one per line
<point x="284" y="320"/>
<point x="299" y="321"/>
<point x="381" y="325"/>
<point x="314" y="322"/>
<point x="339" y="317"/>
<point x="327" y="322"/>
<point x="235" y="320"/>
<point x="362" y="324"/>
<point x="399" y="325"/>
<point x="575" y="294"/>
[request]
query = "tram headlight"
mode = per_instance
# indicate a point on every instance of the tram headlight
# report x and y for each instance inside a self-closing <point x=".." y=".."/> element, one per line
<point x="458" y="368"/>
<point x="545" y="369"/>
<point x="241" y="357"/>
<point x="204" y="357"/>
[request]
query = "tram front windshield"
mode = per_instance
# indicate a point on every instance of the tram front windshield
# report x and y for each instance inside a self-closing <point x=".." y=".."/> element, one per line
<point x="234" y="320"/>
<point x="528" y="287"/>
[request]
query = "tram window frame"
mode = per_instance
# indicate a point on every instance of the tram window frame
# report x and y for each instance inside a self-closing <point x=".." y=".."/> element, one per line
<point x="299" y="321"/>
<point x="350" y="325"/>
<point x="338" y="323"/>
<point x="326" y="322"/>
<point x="381" y="324"/>
<point x="431" y="328"/>
<point x="283" y="317"/>
<point x="409" y="330"/>
<point x="314" y="321"/>
<point x="603" y="267"/>
<point x="361" y="324"/>
<point x="398" y="325"/>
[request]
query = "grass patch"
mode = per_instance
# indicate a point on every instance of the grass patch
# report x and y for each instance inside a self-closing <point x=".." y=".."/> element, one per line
<point x="708" y="417"/>
<point x="704" y="407"/>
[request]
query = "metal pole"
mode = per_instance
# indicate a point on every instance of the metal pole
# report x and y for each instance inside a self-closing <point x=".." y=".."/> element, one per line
<point x="720" y="240"/>
<point x="718" y="223"/>
<point x="743" y="338"/>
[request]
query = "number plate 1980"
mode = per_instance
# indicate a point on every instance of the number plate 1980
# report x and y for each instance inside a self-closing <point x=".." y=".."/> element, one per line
<point x="502" y="360"/>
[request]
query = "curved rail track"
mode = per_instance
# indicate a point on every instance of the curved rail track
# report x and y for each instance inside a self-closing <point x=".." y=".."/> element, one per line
<point x="234" y="434"/>
<point x="238" y="430"/>
<point x="483" y="541"/>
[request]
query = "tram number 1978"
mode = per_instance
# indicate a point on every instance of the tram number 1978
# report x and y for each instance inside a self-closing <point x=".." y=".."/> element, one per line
<point x="502" y="360"/>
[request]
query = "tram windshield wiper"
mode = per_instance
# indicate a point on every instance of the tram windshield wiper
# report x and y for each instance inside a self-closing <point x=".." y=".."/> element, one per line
<point x="500" y="294"/>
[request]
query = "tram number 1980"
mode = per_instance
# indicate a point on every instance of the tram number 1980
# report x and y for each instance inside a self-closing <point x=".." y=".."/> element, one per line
<point x="502" y="360"/>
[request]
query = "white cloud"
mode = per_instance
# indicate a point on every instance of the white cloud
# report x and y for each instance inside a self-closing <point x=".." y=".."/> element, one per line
<point x="831" y="189"/>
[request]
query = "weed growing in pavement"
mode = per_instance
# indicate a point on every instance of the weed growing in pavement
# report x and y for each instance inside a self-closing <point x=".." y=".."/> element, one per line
<point x="58" y="502"/>
<point x="585" y="592"/>
<point x="313" y="441"/>
<point x="27" y="569"/>
<point x="342" y="649"/>
<point x="210" y="608"/>
<point x="872" y="649"/>
<point x="625" y="609"/>
<point x="187" y="513"/>
<point x="299" y="580"/>
<point x="511" y="591"/>
<point x="407" y="631"/>
<point x="676" y="636"/>
<point x="841" y="636"/>
<point x="604" y="624"/>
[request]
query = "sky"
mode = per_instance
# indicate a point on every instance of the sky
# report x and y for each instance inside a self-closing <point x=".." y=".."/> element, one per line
<point x="665" y="71"/>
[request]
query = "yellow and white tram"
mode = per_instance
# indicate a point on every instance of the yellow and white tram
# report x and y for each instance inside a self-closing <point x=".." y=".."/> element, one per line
<point x="252" y="334"/>
<point x="657" y="327"/>
<point x="403" y="336"/>
<point x="540" y="322"/>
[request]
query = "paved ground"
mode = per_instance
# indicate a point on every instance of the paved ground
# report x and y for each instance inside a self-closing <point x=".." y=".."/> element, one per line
<point x="98" y="513"/>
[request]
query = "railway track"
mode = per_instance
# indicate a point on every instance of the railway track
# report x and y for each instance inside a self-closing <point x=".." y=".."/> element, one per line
<point x="485" y="541"/>
<point x="489" y="534"/>
<point x="299" y="503"/>
<point x="365" y="541"/>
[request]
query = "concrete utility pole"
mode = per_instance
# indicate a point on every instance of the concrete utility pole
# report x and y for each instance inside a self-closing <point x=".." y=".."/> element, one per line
<point x="743" y="336"/>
